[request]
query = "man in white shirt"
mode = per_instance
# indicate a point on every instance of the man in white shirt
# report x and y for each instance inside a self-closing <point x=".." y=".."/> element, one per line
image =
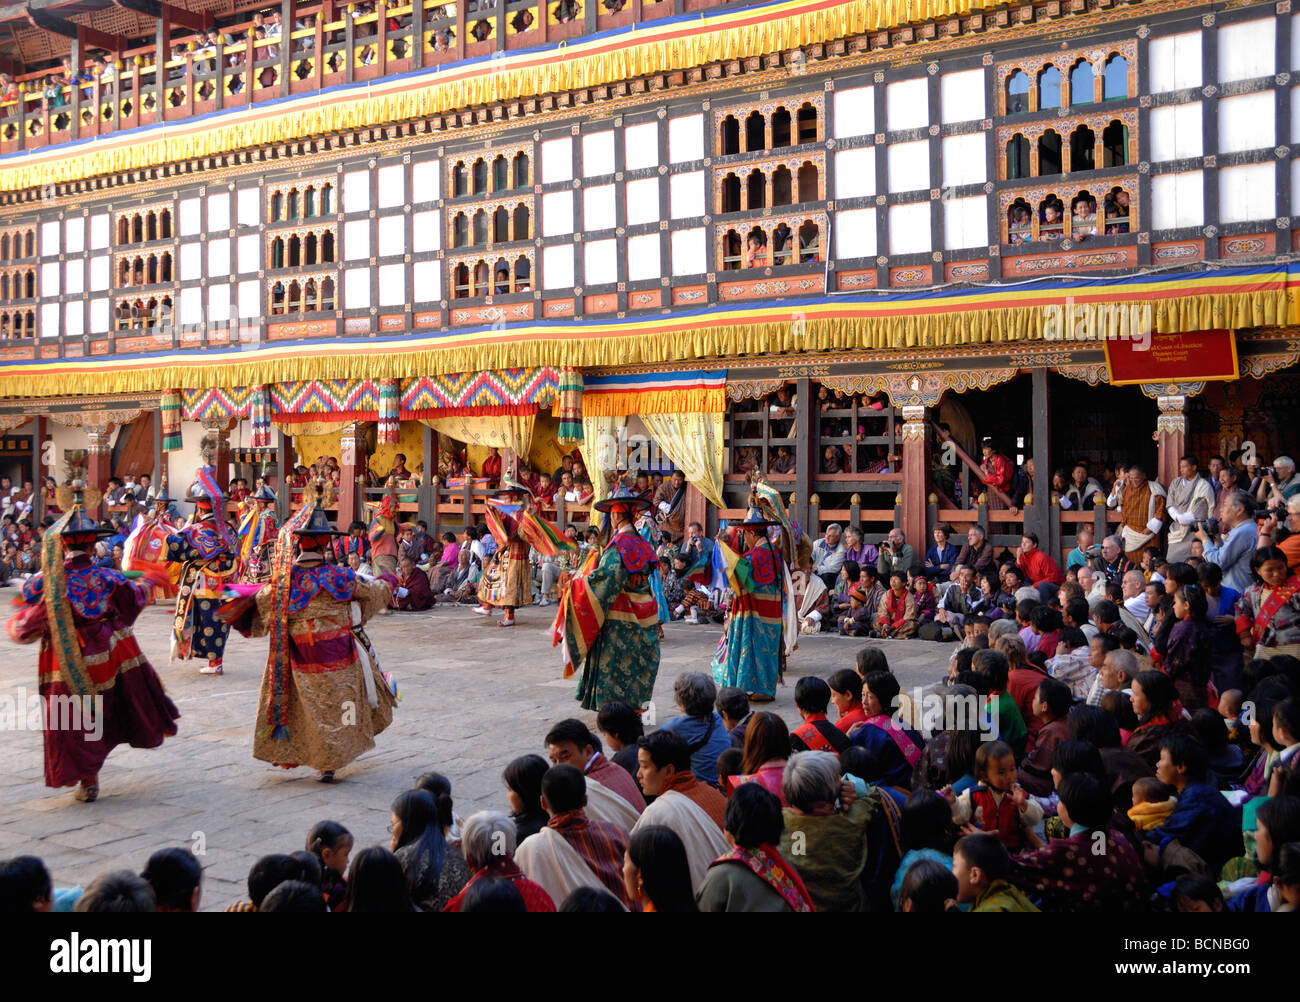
<point x="1191" y="500"/>
<point x="1092" y="583"/>
<point x="1134" y="585"/>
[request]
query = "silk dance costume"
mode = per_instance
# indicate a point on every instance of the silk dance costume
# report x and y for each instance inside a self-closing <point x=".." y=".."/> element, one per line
<point x="206" y="551"/>
<point x="323" y="698"/>
<point x="762" y="623"/>
<point x="608" y="620"/>
<point x="256" y="535"/>
<point x="507" y="579"/>
<point x="97" y="689"/>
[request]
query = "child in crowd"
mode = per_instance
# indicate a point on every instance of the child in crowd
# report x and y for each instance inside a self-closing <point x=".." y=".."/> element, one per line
<point x="1197" y="892"/>
<point x="1051" y="705"/>
<point x="1153" y="802"/>
<point x="812" y="697"/>
<point x="696" y="607"/>
<point x="997" y="804"/>
<point x="981" y="865"/>
<point x="846" y="694"/>
<point x="331" y="844"/>
<point x="857" y="621"/>
<point x="928" y="887"/>
<point x="923" y="595"/>
<point x="1230" y="711"/>
<point x="925" y="821"/>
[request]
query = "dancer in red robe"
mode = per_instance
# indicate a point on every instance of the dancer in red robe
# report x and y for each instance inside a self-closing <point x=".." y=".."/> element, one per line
<point x="97" y="689"/>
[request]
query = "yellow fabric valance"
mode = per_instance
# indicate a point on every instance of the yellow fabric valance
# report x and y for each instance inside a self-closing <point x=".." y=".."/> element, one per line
<point x="513" y="432"/>
<point x="712" y="400"/>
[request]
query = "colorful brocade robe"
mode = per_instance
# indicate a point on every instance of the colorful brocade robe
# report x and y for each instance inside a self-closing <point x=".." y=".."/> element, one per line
<point x="609" y="622"/>
<point x="207" y="562"/>
<point x="749" y="655"/>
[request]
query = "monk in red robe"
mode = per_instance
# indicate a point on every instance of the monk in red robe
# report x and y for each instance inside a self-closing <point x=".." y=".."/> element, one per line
<point x="412" y="593"/>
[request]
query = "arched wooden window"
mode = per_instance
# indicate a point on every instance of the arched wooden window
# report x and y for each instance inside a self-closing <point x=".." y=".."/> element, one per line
<point x="151" y="226"/>
<point x="326" y="199"/>
<point x="781" y="123"/>
<point x="309" y="296"/>
<point x="482" y="278"/>
<point x="756" y="190"/>
<point x="295" y="251"/>
<point x="327" y="294"/>
<point x="1082" y="149"/>
<point x="166" y="274"/>
<point x="165" y="224"/>
<point x="755" y="132"/>
<point x="460" y="281"/>
<point x="731" y="193"/>
<point x="4" y="285"/>
<point x="1051" y="218"/>
<point x="1049" y="88"/>
<point x="137" y="229"/>
<point x="1114" y="144"/>
<point x="523" y="274"/>
<point x="809" y="241"/>
<point x="30" y="292"/>
<point x="1081" y="83"/>
<point x="500" y="173"/>
<point x="4" y="326"/>
<point x="137" y="271"/>
<point x="29" y="246"/>
<point x="123" y="236"/>
<point x="277" y="206"/>
<point x="730" y="136"/>
<point x="523" y="230"/>
<point x="501" y="277"/>
<point x="480" y="176"/>
<point x="327" y="247"/>
<point x="277" y="252"/>
<point x="782" y="186"/>
<point x="521" y="170"/>
<point x="151" y="270"/>
<point x="480" y="228"/>
<point x="1017" y="92"/>
<point x="310" y="249"/>
<point x="1049" y="153"/>
<point x="277" y="298"/>
<point x="1083" y="216"/>
<point x="806" y="124"/>
<point x="732" y="251"/>
<point x="459" y="179"/>
<point x="309" y="202"/>
<point x="500" y="225"/>
<point x="460" y="230"/>
<point x="293" y="208"/>
<point x="1116" y="210"/>
<point x="807" y="182"/>
<point x="124" y="272"/>
<point x="295" y="297"/>
<point x="1017" y="157"/>
<point x="1114" y="79"/>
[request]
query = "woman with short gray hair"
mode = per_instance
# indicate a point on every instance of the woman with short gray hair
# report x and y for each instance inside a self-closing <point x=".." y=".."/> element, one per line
<point x="488" y="841"/>
<point x="701" y="727"/>
<point x="826" y="843"/>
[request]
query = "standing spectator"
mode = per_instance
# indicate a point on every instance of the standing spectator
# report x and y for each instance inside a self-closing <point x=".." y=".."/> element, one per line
<point x="1141" y="505"/>
<point x="1236" y="544"/>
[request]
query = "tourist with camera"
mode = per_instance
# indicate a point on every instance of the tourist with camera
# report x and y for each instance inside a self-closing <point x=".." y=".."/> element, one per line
<point x="1233" y="550"/>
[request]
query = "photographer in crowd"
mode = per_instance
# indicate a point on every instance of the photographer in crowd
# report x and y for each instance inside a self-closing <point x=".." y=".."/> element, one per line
<point x="1233" y="549"/>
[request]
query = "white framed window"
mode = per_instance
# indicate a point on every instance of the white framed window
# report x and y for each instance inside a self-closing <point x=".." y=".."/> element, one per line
<point x="855" y="172"/>
<point x="426" y="231"/>
<point x="356" y="288"/>
<point x="191" y="261"/>
<point x="249" y="295"/>
<point x="74" y="319"/>
<point x="909" y="228"/>
<point x="909" y="166"/>
<point x="99" y="273"/>
<point x="1246" y="193"/>
<point x="855" y="233"/>
<point x="1175" y="62"/>
<point x="1247" y="50"/>
<point x="961" y="96"/>
<point x="907" y="104"/>
<point x="426" y="277"/>
<point x="426" y="182"/>
<point x="99" y="231"/>
<point x="392" y="235"/>
<point x="643" y="257"/>
<point x="1177" y="200"/>
<point x="685" y="139"/>
<point x="964" y="160"/>
<point x="248" y="206"/>
<point x="74" y="277"/>
<point x="557" y="160"/>
<point x="854" y="112"/>
<point x="189" y="217"/>
<point x="50" y="238"/>
<point x="642" y="201"/>
<point x="392" y="285"/>
<point x="218" y="302"/>
<point x="598" y="208"/>
<point x="99" y="316"/>
<point x="74" y="235"/>
<point x="687" y="253"/>
<point x="965" y="223"/>
<point x="598" y="153"/>
<point x="600" y="262"/>
<point x="1176" y="131"/>
<point x="391" y="183"/>
<point x="641" y="145"/>
<point x="557" y="267"/>
<point x="1247" y="122"/>
<point x="219" y="212"/>
<point x="248" y="252"/>
<point x="356" y="191"/>
<point x="191" y="306"/>
<point x="50" y="283"/>
<point x="219" y="256"/>
<point x="51" y="313"/>
<point x="557" y="213"/>
<point x="686" y="195"/>
<point x="356" y="240"/>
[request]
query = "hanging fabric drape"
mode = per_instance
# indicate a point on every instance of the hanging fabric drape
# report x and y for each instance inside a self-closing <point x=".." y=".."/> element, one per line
<point x="311" y="428"/>
<point x="389" y="426"/>
<point x="568" y="407"/>
<point x="600" y="452"/>
<point x="260" y="412"/>
<point x="497" y="432"/>
<point x="694" y="443"/>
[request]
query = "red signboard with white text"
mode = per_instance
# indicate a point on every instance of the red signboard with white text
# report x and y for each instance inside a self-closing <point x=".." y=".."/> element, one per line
<point x="1190" y="356"/>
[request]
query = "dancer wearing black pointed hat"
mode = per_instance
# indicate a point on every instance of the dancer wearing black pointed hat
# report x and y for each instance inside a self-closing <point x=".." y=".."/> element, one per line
<point x="97" y="689"/>
<point x="323" y="698"/>
<point x="206" y="550"/>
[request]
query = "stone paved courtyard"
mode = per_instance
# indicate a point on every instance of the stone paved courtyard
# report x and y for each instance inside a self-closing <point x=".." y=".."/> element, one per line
<point x="474" y="696"/>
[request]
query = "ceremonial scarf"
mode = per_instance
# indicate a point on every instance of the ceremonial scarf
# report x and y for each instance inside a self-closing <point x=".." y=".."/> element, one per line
<point x="276" y="726"/>
<point x="1277" y="597"/>
<point x="911" y="751"/>
<point x="58" y="610"/>
<point x="765" y="862"/>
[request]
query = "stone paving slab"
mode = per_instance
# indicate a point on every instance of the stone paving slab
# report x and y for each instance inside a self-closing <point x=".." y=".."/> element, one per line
<point x="474" y="697"/>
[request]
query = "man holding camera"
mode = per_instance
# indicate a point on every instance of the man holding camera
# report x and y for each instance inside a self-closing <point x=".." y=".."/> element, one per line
<point x="1278" y="484"/>
<point x="1191" y="500"/>
<point x="1236" y="545"/>
<point x="896" y="554"/>
<point x="1284" y="533"/>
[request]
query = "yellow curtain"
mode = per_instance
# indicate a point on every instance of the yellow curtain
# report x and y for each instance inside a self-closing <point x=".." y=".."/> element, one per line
<point x="600" y="452"/>
<point x="497" y="432"/>
<point x="694" y="443"/>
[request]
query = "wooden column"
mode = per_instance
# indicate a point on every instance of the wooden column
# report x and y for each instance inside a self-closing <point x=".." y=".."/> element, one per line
<point x="217" y="451"/>
<point x="805" y="459"/>
<point x="1038" y="517"/>
<point x="696" y="507"/>
<point x="100" y="459"/>
<point x="1171" y="436"/>
<point x="916" y="471"/>
<point x="283" y="464"/>
<point x="159" y="457"/>
<point x="352" y="464"/>
<point x="430" y="460"/>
